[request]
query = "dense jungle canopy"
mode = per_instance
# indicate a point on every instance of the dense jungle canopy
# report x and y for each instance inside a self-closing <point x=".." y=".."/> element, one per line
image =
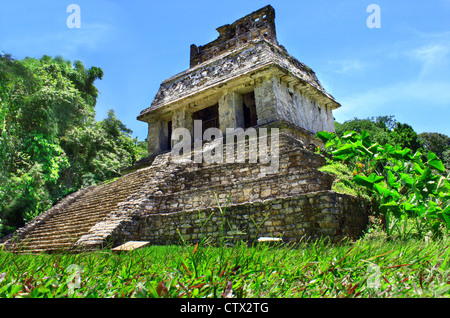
<point x="50" y="143"/>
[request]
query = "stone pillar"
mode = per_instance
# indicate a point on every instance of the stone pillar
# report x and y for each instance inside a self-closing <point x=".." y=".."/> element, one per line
<point x="329" y="120"/>
<point x="157" y="137"/>
<point x="265" y="99"/>
<point x="231" y="112"/>
<point x="182" y="118"/>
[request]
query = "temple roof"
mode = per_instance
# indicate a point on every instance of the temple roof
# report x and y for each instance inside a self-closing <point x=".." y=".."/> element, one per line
<point x="248" y="60"/>
<point x="256" y="25"/>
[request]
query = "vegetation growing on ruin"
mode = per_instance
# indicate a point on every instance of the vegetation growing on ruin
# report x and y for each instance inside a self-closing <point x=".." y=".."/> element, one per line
<point x="343" y="182"/>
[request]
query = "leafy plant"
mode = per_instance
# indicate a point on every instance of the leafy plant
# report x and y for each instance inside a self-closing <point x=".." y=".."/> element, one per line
<point x="407" y="185"/>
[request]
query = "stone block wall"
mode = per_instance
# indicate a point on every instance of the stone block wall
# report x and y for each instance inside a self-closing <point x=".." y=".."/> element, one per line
<point x="307" y="216"/>
<point x="297" y="172"/>
<point x="268" y="187"/>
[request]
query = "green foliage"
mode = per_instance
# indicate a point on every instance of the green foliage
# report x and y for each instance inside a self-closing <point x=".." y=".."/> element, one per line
<point x="97" y="152"/>
<point x="405" y="136"/>
<point x="438" y="144"/>
<point x="446" y="159"/>
<point x="404" y="185"/>
<point x="370" y="267"/>
<point x="343" y="182"/>
<point x="50" y="143"/>
<point x="378" y="127"/>
<point x="383" y="129"/>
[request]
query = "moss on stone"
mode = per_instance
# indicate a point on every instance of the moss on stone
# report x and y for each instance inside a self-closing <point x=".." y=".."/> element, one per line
<point x="344" y="179"/>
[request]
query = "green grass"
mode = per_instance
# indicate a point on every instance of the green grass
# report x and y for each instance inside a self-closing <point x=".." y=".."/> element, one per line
<point x="369" y="267"/>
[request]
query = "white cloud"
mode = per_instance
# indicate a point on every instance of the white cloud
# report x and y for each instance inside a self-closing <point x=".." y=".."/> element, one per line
<point x="346" y="66"/>
<point x="426" y="88"/>
<point x="430" y="50"/>
<point x="434" y="57"/>
<point x="66" y="42"/>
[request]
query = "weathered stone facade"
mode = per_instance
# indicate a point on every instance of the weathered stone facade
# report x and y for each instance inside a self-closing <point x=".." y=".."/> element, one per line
<point x="323" y="214"/>
<point x="257" y="25"/>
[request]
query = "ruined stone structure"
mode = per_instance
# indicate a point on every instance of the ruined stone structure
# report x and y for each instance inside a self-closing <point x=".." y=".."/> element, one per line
<point x="244" y="79"/>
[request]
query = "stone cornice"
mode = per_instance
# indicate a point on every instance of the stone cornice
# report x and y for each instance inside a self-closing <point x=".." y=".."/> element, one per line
<point x="256" y="56"/>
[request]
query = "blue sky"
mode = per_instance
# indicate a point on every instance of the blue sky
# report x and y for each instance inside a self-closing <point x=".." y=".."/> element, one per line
<point x="400" y="69"/>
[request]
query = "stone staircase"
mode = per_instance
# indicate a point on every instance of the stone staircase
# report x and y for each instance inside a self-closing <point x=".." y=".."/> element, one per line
<point x="60" y="227"/>
<point x="120" y="210"/>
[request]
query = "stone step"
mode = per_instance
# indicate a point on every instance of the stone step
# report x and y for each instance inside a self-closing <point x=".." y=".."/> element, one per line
<point x="265" y="188"/>
<point x="72" y="218"/>
<point x="79" y="214"/>
<point x="74" y="210"/>
<point x="61" y="227"/>
<point x="225" y="174"/>
<point x="50" y="240"/>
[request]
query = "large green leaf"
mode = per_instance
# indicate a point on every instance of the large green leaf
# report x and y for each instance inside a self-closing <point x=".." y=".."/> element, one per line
<point x="392" y="207"/>
<point x="325" y="136"/>
<point x="386" y="192"/>
<point x="344" y="157"/>
<point x="388" y="148"/>
<point x="365" y="139"/>
<point x="344" y="150"/>
<point x="435" y="162"/>
<point x="362" y="149"/>
<point x="444" y="215"/>
<point x="375" y="148"/>
<point x="401" y="154"/>
<point x="367" y="181"/>
<point x="350" y="135"/>
<point x="413" y="210"/>
<point x="419" y="168"/>
<point x="392" y="180"/>
<point x="406" y="179"/>
<point x="417" y="157"/>
<point x="433" y="210"/>
<point x="426" y="175"/>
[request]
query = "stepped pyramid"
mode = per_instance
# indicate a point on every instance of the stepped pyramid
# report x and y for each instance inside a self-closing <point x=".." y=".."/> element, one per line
<point x="244" y="88"/>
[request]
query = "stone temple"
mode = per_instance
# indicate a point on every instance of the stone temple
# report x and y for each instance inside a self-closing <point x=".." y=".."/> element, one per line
<point x="245" y="88"/>
<point x="244" y="78"/>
